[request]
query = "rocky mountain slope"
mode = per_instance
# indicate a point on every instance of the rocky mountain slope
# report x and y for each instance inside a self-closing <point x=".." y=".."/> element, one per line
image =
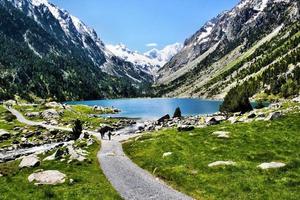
<point x="212" y="60"/>
<point x="54" y="54"/>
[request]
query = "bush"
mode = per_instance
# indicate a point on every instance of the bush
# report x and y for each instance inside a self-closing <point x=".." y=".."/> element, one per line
<point x="177" y="113"/>
<point x="237" y="100"/>
<point x="77" y="129"/>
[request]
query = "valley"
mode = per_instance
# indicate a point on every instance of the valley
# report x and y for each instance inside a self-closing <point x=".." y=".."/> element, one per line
<point x="214" y="117"/>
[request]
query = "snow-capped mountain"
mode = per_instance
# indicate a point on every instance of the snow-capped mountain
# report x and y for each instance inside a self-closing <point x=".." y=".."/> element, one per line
<point x="224" y="39"/>
<point x="73" y="33"/>
<point x="150" y="61"/>
<point x="161" y="57"/>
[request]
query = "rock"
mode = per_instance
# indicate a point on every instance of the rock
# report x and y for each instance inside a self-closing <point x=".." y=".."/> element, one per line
<point x="1" y="175"/>
<point x="57" y="155"/>
<point x="185" y="128"/>
<point x="10" y="103"/>
<point x="71" y="181"/>
<point x="271" y="165"/>
<point x="233" y="120"/>
<point x="275" y="105"/>
<point x="53" y="104"/>
<point x="53" y="122"/>
<point x="251" y="115"/>
<point x="74" y="155"/>
<point x="32" y="114"/>
<point x="261" y="115"/>
<point x="49" y="177"/>
<point x="50" y="114"/>
<point x="4" y="135"/>
<point x="167" y="154"/>
<point x="211" y="121"/>
<point x="296" y="99"/>
<point x="221" y="134"/>
<point x="221" y="163"/>
<point x="90" y="142"/>
<point x="30" y="161"/>
<point x="273" y="116"/>
<point x="164" y="119"/>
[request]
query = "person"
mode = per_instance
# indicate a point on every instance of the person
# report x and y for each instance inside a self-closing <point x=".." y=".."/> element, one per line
<point x="109" y="135"/>
<point x="102" y="134"/>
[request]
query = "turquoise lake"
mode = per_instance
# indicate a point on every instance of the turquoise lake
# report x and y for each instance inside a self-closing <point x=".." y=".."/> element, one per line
<point x="149" y="109"/>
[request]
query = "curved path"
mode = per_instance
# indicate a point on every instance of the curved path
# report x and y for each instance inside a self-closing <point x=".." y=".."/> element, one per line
<point x="132" y="182"/>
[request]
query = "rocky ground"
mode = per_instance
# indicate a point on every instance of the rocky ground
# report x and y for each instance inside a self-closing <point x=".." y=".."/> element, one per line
<point x="271" y="112"/>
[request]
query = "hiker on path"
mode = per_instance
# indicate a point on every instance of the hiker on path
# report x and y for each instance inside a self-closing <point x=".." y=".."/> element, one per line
<point x="109" y="135"/>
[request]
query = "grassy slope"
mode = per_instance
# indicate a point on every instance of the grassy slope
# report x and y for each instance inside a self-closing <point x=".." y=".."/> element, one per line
<point x="89" y="181"/>
<point x="81" y="112"/>
<point x="250" y="144"/>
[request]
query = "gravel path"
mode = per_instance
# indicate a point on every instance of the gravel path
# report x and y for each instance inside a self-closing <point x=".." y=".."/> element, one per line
<point x="132" y="182"/>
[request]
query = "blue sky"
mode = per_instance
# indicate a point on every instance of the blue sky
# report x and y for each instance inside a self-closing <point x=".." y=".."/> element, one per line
<point x="137" y="23"/>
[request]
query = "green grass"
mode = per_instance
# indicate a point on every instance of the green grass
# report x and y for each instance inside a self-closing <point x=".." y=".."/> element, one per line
<point x="250" y="144"/>
<point x="89" y="181"/>
<point x="80" y="112"/>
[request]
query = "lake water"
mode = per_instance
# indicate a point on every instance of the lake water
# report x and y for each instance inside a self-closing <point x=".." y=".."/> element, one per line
<point x="149" y="109"/>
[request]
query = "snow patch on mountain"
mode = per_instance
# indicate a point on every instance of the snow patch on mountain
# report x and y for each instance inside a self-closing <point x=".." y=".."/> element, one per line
<point x="150" y="61"/>
<point x="161" y="57"/>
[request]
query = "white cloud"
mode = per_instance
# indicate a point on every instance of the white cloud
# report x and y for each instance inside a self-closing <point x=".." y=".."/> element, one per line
<point x="152" y="45"/>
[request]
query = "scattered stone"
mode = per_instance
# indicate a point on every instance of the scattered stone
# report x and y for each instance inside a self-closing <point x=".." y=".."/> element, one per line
<point x="4" y="135"/>
<point x="233" y="120"/>
<point x="53" y="104"/>
<point x="74" y="155"/>
<point x="167" y="154"/>
<point x="49" y="177"/>
<point x="71" y="181"/>
<point x="164" y="118"/>
<point x="273" y="116"/>
<point x="50" y="114"/>
<point x="221" y="134"/>
<point x="185" y="128"/>
<point x="275" y="105"/>
<point x="32" y="114"/>
<point x="271" y="165"/>
<point x="296" y="99"/>
<point x="251" y="115"/>
<point x="55" y="156"/>
<point x="221" y="163"/>
<point x="1" y="175"/>
<point x="211" y="121"/>
<point x="30" y="161"/>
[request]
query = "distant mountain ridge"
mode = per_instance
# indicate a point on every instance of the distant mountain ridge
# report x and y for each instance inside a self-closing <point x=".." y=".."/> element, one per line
<point x="151" y="61"/>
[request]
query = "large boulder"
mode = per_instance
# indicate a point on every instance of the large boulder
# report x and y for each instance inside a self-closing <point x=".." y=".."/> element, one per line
<point x="221" y="163"/>
<point x="53" y="104"/>
<point x="164" y="118"/>
<point x="75" y="154"/>
<point x="221" y="134"/>
<point x="30" y="161"/>
<point x="185" y="128"/>
<point x="49" y="177"/>
<point x="4" y="135"/>
<point x="50" y="114"/>
<point x="273" y="116"/>
<point x="211" y="121"/>
<point x="32" y="114"/>
<point x="271" y="165"/>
